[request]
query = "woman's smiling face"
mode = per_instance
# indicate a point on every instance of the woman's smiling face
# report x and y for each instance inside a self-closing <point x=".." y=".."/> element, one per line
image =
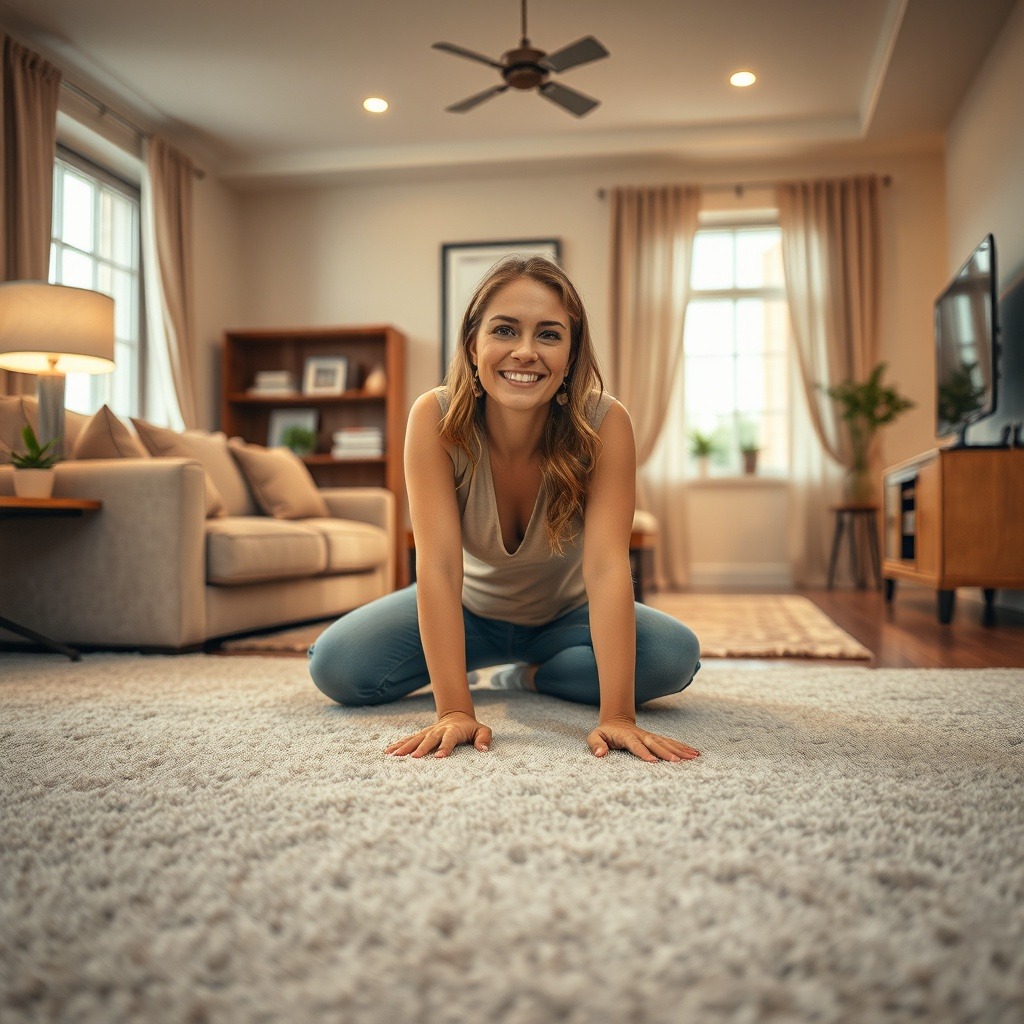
<point x="523" y="348"/>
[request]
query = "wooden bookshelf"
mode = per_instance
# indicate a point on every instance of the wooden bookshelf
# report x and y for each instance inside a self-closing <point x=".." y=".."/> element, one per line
<point x="247" y="415"/>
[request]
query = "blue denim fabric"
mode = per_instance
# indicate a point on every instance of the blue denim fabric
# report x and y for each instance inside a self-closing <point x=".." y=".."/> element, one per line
<point x="373" y="655"/>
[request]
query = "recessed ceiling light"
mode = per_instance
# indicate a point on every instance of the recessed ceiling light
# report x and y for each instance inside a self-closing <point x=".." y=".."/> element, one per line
<point x="375" y="105"/>
<point x="743" y="78"/>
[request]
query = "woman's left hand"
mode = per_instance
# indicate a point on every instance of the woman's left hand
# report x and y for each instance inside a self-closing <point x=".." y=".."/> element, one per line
<point x="648" y="746"/>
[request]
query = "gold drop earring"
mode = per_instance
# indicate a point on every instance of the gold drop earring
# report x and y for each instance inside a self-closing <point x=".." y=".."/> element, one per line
<point x="478" y="388"/>
<point x="562" y="398"/>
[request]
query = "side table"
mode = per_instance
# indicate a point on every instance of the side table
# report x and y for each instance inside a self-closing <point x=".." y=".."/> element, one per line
<point x="36" y="508"/>
<point x="847" y="518"/>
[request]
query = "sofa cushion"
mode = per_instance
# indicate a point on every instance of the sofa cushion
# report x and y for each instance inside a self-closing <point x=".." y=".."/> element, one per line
<point x="279" y="481"/>
<point x="351" y="546"/>
<point x="211" y="452"/>
<point x="254" y="549"/>
<point x="106" y="437"/>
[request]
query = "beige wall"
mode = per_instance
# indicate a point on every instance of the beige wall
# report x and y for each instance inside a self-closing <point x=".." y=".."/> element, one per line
<point x="985" y="158"/>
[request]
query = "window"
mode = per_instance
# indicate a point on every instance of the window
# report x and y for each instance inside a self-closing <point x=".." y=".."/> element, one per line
<point x="735" y="344"/>
<point x="95" y="244"/>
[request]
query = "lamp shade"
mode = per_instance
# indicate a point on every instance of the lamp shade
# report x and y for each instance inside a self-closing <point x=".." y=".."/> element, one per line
<point x="54" y="327"/>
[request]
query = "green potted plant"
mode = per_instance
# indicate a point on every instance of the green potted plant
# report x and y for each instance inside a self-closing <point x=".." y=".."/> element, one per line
<point x="299" y="440"/>
<point x="702" y="447"/>
<point x="33" y="468"/>
<point x="866" y="406"/>
<point x="749" y="448"/>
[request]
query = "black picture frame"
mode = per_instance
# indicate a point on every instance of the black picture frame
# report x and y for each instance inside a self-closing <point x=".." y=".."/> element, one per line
<point x="463" y="264"/>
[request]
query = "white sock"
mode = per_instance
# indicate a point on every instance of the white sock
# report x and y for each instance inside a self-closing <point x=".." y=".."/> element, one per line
<point x="510" y="677"/>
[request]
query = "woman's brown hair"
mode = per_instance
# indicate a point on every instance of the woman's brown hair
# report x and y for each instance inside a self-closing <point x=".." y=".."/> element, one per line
<point x="569" y="445"/>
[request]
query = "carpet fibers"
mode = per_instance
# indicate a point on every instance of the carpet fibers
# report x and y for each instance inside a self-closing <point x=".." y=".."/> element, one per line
<point x="729" y="626"/>
<point x="202" y="839"/>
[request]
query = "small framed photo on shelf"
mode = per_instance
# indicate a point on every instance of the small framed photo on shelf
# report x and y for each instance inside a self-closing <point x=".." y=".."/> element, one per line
<point x="325" y="375"/>
<point x="293" y="428"/>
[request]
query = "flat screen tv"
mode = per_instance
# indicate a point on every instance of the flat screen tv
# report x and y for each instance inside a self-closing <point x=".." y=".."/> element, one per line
<point x="966" y="347"/>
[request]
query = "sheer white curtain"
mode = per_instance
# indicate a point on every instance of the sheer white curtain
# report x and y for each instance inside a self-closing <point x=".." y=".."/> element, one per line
<point x="652" y="231"/>
<point x="29" y="92"/>
<point x="830" y="250"/>
<point x="167" y="260"/>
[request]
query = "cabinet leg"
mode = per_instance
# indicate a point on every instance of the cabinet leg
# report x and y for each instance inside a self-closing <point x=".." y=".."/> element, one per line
<point x="988" y="617"/>
<point x="890" y="590"/>
<point x="947" y="598"/>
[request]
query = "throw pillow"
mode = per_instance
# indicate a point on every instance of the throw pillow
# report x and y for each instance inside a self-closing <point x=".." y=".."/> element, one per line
<point x="279" y="481"/>
<point x="161" y="442"/>
<point x="106" y="437"/>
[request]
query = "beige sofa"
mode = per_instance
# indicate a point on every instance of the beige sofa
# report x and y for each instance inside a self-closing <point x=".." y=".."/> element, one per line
<point x="152" y="571"/>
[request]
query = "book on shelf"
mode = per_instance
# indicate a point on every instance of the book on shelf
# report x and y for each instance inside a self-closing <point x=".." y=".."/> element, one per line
<point x="273" y="382"/>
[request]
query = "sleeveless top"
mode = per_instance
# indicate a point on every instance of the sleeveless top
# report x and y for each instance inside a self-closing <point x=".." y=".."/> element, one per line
<point x="533" y="585"/>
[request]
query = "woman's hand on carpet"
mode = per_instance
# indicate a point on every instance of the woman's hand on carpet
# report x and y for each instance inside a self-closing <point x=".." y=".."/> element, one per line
<point x="444" y="736"/>
<point x="648" y="746"/>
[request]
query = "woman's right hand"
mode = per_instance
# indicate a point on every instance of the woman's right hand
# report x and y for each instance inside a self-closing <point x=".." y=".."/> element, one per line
<point x="444" y="736"/>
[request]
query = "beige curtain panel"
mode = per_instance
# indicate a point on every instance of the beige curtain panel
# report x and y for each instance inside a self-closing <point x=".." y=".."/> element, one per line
<point x="652" y="231"/>
<point x="29" y="91"/>
<point x="831" y="252"/>
<point x="651" y="245"/>
<point x="167" y="241"/>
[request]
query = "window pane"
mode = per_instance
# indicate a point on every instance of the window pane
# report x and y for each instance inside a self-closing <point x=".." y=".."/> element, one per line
<point x="709" y="327"/>
<point x="758" y="258"/>
<point x="76" y="269"/>
<point x="710" y="388"/>
<point x="79" y="197"/>
<point x="712" y="260"/>
<point x="750" y="327"/>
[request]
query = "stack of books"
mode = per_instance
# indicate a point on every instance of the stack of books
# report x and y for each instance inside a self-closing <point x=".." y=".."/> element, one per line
<point x="273" y="382"/>
<point x="358" y="443"/>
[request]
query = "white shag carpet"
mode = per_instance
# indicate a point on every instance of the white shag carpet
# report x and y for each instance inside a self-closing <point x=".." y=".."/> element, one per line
<point x="206" y="839"/>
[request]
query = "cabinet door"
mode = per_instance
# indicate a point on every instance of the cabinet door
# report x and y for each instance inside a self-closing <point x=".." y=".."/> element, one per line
<point x="928" y="519"/>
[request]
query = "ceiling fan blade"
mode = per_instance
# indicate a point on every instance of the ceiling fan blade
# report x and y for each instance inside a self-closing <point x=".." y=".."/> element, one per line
<point x="470" y="102"/>
<point x="461" y="51"/>
<point x="581" y="52"/>
<point x="569" y="99"/>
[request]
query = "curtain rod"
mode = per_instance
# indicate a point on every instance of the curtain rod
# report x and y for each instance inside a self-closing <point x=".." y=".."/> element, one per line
<point x="105" y="110"/>
<point x="739" y="187"/>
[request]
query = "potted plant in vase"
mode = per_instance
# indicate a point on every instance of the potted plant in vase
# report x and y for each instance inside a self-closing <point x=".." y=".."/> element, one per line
<point x="866" y="406"/>
<point x="33" y="468"/>
<point x="702" y="447"/>
<point x="749" y="448"/>
<point x="299" y="440"/>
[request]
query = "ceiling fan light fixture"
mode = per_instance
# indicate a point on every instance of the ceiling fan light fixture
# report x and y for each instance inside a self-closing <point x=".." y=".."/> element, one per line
<point x="375" y="105"/>
<point x="741" y="79"/>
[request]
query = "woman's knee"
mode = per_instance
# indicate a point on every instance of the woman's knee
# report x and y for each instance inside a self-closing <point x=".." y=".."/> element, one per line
<point x="668" y="655"/>
<point x="338" y="676"/>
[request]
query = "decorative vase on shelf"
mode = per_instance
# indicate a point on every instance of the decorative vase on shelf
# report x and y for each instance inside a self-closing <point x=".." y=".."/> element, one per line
<point x="33" y="483"/>
<point x="376" y="381"/>
<point x="860" y="486"/>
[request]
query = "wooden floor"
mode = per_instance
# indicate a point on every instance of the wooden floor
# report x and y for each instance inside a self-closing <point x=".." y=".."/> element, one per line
<point x="907" y="633"/>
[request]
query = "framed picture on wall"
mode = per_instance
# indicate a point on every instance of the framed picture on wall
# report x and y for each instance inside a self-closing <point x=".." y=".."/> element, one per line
<point x="463" y="264"/>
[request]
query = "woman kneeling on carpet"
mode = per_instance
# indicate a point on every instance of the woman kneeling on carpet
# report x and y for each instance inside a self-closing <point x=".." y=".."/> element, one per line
<point x="521" y="477"/>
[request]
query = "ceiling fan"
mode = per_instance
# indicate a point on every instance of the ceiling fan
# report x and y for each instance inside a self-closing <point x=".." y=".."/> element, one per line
<point x="526" y="67"/>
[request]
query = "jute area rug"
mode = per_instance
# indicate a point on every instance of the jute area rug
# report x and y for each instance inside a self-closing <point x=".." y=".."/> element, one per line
<point x="207" y="839"/>
<point x="728" y="625"/>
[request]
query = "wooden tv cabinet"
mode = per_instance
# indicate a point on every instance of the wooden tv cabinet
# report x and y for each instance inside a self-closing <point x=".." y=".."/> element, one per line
<point x="954" y="517"/>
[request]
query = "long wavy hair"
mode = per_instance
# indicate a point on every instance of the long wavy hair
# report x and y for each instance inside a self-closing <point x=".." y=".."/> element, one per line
<point x="569" y="446"/>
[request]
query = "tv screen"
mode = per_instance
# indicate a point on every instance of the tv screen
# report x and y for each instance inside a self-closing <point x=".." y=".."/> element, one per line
<point x="965" y="344"/>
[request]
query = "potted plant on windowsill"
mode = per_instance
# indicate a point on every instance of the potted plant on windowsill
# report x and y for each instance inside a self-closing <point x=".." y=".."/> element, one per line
<point x="866" y="406"/>
<point x="749" y="448"/>
<point x="33" y="468"/>
<point x="702" y="447"/>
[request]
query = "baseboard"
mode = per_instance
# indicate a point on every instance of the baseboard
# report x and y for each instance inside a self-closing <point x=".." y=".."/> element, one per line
<point x="731" y="574"/>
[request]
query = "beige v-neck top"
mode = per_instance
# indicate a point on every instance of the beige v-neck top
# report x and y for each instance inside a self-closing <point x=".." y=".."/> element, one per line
<point x="532" y="585"/>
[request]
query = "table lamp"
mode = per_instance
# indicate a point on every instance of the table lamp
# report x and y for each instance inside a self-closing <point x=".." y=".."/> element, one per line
<point x="50" y="330"/>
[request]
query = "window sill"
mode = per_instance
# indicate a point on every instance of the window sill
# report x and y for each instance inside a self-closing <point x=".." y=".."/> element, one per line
<point x="739" y="481"/>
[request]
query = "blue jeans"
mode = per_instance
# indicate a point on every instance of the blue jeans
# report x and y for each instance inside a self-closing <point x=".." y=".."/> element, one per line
<point x="373" y="655"/>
